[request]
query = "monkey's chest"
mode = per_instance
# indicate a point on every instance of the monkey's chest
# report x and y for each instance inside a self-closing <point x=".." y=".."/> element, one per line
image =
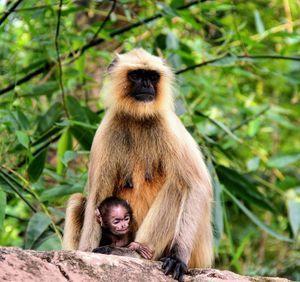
<point x="140" y="164"/>
<point x="140" y="190"/>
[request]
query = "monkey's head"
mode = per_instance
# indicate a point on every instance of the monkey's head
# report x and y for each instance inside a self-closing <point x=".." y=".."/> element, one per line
<point x="115" y="214"/>
<point x="140" y="84"/>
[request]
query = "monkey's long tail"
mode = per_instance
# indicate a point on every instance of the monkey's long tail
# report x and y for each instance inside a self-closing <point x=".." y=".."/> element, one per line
<point x="74" y="221"/>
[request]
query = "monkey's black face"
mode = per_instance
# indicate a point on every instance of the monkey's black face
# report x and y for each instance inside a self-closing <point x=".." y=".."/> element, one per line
<point x="143" y="84"/>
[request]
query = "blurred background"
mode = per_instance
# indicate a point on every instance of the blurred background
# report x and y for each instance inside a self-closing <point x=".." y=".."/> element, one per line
<point x="238" y="76"/>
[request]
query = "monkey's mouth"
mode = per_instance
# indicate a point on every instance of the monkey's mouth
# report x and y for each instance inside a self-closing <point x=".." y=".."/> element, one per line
<point x="121" y="231"/>
<point x="144" y="97"/>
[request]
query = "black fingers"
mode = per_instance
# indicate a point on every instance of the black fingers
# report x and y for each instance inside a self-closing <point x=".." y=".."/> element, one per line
<point x="174" y="266"/>
<point x="103" y="250"/>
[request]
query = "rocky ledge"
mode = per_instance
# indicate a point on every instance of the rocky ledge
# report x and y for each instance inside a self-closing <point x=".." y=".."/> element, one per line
<point x="25" y="265"/>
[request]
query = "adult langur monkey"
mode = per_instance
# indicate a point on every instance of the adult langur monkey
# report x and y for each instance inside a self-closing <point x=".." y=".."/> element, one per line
<point x="142" y="153"/>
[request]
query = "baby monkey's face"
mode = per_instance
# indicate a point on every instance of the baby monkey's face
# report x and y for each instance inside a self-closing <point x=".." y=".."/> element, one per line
<point x="118" y="220"/>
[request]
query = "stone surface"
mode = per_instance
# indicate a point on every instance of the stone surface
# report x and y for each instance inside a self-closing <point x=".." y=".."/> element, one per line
<point x="61" y="266"/>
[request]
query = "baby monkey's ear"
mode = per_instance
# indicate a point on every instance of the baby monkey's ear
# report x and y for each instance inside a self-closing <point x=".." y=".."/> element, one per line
<point x="98" y="217"/>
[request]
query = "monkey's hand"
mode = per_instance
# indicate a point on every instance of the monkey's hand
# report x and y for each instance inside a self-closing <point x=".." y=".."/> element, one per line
<point x="103" y="250"/>
<point x="143" y="250"/>
<point x="174" y="266"/>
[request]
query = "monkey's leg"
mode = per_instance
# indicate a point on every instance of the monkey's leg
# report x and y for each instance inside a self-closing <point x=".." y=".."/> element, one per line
<point x="74" y="221"/>
<point x="118" y="251"/>
<point x="193" y="231"/>
<point x="173" y="221"/>
<point x="91" y="231"/>
<point x="158" y="227"/>
<point x="202" y="253"/>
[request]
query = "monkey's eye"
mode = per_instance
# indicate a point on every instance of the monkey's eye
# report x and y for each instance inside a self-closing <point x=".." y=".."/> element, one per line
<point x="134" y="76"/>
<point x="154" y="76"/>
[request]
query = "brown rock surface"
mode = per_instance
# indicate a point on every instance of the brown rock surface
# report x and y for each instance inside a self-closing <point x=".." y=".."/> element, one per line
<point x="56" y="266"/>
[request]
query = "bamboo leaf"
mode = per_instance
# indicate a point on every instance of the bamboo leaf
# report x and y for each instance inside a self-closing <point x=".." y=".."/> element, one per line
<point x="36" y="166"/>
<point x="50" y="243"/>
<point x="48" y="120"/>
<point x="2" y="208"/>
<point x="293" y="205"/>
<point x="242" y="187"/>
<point x="60" y="191"/>
<point x="256" y="220"/>
<point x="258" y="22"/>
<point x="64" y="144"/>
<point x="38" y="223"/>
<point x="23" y="138"/>
<point x="283" y="160"/>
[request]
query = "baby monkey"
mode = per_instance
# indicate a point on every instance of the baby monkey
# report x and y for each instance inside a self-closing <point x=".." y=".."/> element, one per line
<point x="115" y="217"/>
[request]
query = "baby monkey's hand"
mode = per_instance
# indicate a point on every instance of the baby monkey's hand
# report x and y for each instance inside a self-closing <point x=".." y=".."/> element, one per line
<point x="143" y="250"/>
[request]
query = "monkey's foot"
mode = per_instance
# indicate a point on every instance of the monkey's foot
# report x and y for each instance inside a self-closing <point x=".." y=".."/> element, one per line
<point x="103" y="250"/>
<point x="174" y="266"/>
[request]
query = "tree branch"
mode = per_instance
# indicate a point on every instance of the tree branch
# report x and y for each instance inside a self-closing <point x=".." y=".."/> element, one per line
<point x="78" y="52"/>
<point x="240" y="57"/>
<point x="9" y="11"/>
<point x="60" y="72"/>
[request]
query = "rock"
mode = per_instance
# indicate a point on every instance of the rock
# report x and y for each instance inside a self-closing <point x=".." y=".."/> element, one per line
<point x="61" y="266"/>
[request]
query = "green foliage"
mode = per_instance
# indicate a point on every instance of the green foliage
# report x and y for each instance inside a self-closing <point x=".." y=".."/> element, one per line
<point x="238" y="80"/>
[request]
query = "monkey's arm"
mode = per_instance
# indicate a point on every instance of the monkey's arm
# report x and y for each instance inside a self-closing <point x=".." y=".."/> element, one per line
<point x="102" y="178"/>
<point x="179" y="219"/>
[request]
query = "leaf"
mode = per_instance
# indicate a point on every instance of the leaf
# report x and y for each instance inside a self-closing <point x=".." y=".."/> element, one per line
<point x="258" y="22"/>
<point x="188" y="18"/>
<point x="51" y="243"/>
<point x="60" y="191"/>
<point x="168" y="10"/>
<point x="176" y="3"/>
<point x="48" y="120"/>
<point x="36" y="166"/>
<point x="69" y="156"/>
<point x="242" y="187"/>
<point x="256" y="220"/>
<point x="23" y="138"/>
<point x="253" y="164"/>
<point x="293" y="204"/>
<point x="38" y="223"/>
<point x="220" y="125"/>
<point x="64" y="144"/>
<point x="84" y="136"/>
<point x="2" y="208"/>
<point x="78" y="113"/>
<point x="40" y="90"/>
<point x="283" y="161"/>
<point x="22" y="120"/>
<point x="217" y="206"/>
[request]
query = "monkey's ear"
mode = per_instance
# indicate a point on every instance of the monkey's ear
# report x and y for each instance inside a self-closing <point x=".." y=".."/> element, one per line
<point x="98" y="216"/>
<point x="112" y="64"/>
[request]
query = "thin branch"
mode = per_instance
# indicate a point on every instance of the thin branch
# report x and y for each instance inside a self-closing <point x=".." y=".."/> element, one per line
<point x="201" y="64"/>
<point x="249" y="119"/>
<point x="272" y="57"/>
<point x="5" y="177"/>
<point x="9" y="11"/>
<point x="244" y="122"/>
<point x="80" y="51"/>
<point x="241" y="57"/>
<point x="113" y="7"/>
<point x="60" y="72"/>
<point x="88" y="45"/>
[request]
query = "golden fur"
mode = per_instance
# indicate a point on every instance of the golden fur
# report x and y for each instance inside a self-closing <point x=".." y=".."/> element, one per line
<point x="146" y="142"/>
